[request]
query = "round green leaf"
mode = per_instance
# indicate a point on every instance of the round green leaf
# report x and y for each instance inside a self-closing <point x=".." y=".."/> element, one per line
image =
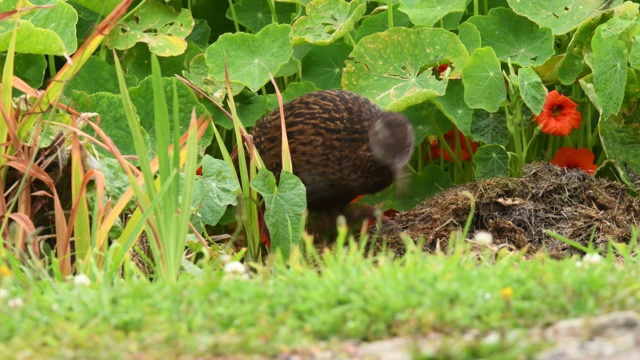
<point x="323" y="65"/>
<point x="156" y="24"/>
<point x="327" y="20"/>
<point x="97" y="75"/>
<point x="112" y="116"/>
<point x="620" y="141"/>
<point x="483" y="81"/>
<point x="393" y="68"/>
<point x="561" y="16"/>
<point x="49" y="30"/>
<point x="573" y="64"/>
<point x="428" y="12"/>
<point x="452" y="104"/>
<point x="292" y="91"/>
<point x="256" y="14"/>
<point x="421" y="117"/>
<point x="214" y="190"/>
<point x="470" y="36"/>
<point x="609" y="71"/>
<point x="142" y="98"/>
<point x="28" y="67"/>
<point x="250" y="57"/>
<point x="379" y="22"/>
<point x="514" y="37"/>
<point x="491" y="161"/>
<point x="284" y="206"/>
<point x="490" y="128"/>
<point x="531" y="88"/>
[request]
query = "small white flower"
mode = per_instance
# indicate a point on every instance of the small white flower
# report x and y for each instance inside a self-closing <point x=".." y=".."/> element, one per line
<point x="4" y="293"/>
<point x="55" y="307"/>
<point x="234" y="267"/>
<point x="592" y="258"/>
<point x="483" y="237"/>
<point x="15" y="303"/>
<point x="226" y="258"/>
<point x="82" y="279"/>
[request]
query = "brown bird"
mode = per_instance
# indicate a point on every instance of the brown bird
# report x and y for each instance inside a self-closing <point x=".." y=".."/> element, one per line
<point x="342" y="145"/>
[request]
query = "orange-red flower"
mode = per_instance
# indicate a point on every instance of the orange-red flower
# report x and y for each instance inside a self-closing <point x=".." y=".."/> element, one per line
<point x="450" y="138"/>
<point x="559" y="115"/>
<point x="569" y="157"/>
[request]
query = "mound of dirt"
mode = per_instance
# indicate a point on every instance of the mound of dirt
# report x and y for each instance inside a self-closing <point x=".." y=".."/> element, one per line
<point x="518" y="212"/>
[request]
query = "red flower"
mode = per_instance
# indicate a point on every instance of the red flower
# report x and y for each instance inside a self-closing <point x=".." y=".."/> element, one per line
<point x="559" y="115"/>
<point x="569" y="157"/>
<point x="450" y="138"/>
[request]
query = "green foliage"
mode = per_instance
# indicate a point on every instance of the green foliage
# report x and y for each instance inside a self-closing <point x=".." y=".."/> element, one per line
<point x="480" y="69"/>
<point x="327" y="20"/>
<point x="356" y="298"/>
<point x="284" y="202"/>
<point x="158" y="25"/>
<point x="250" y="57"/>
<point x="396" y="77"/>
<point x="428" y="12"/>
<point x="50" y="30"/>
<point x="214" y="191"/>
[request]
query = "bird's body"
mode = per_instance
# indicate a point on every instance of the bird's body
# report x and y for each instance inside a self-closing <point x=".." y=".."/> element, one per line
<point x="342" y="145"/>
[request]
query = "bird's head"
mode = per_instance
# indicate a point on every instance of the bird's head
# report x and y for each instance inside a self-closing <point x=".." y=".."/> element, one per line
<point x="391" y="140"/>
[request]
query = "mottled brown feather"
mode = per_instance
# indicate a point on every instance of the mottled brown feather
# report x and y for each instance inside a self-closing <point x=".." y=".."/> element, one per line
<point x="329" y="138"/>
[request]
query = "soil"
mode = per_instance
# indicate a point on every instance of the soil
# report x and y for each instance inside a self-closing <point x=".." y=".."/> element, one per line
<point x="518" y="212"/>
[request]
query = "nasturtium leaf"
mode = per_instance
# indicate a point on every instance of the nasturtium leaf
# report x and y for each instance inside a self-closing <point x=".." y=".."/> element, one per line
<point x="250" y="57"/>
<point x="117" y="180"/>
<point x="514" y="37"/>
<point x="200" y="34"/>
<point x="634" y="55"/>
<point x="379" y="22"/>
<point x="112" y="119"/>
<point x="423" y="117"/>
<point x="609" y="71"/>
<point x="49" y="31"/>
<point x="156" y="24"/>
<point x="323" y="65"/>
<point x="491" y="161"/>
<point x="97" y="75"/>
<point x="573" y="64"/>
<point x="428" y="12"/>
<point x="531" y="88"/>
<point x="256" y="14"/>
<point x="470" y="36"/>
<point x="142" y="98"/>
<point x="249" y="106"/>
<point x="198" y="74"/>
<point x="560" y="16"/>
<point x="420" y="186"/>
<point x="490" y="128"/>
<point x="136" y="60"/>
<point x="394" y="67"/>
<point x="620" y="138"/>
<point x="327" y="21"/>
<point x="293" y="66"/>
<point x="586" y="83"/>
<point x="292" y="91"/>
<point x="483" y="81"/>
<point x="28" y="67"/>
<point x="103" y="7"/>
<point x="452" y="104"/>
<point x="284" y="205"/>
<point x="214" y="190"/>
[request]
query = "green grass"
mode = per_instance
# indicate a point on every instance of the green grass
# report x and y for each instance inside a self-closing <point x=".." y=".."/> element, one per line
<point x="290" y="307"/>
